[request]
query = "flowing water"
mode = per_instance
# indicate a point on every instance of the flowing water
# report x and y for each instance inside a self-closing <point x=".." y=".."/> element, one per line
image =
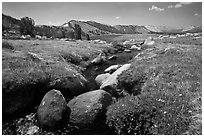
<point x="21" y="123"/>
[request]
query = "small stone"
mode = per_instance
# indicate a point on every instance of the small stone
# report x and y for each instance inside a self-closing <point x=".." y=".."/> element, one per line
<point x="32" y="130"/>
<point x="127" y="50"/>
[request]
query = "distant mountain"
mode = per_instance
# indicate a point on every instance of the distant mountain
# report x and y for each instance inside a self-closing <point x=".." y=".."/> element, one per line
<point x="11" y="29"/>
<point x="193" y="29"/>
<point x="86" y="27"/>
<point x="163" y="29"/>
<point x="10" y="24"/>
<point x="132" y="29"/>
<point x="107" y="28"/>
<point x="95" y="28"/>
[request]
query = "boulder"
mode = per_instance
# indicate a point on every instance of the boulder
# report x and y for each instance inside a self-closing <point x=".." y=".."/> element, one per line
<point x="23" y="37"/>
<point x="52" y="111"/>
<point x="112" y="57"/>
<point x="149" y="41"/>
<point x="134" y="47"/>
<point x="35" y="57"/>
<point x="102" y="42"/>
<point x="127" y="50"/>
<point x="70" y="84"/>
<point x="89" y="108"/>
<point x="97" y="40"/>
<point x="101" y="78"/>
<point x="38" y="37"/>
<point x="111" y="83"/>
<point x="112" y="68"/>
<point x="126" y="42"/>
<point x="99" y="59"/>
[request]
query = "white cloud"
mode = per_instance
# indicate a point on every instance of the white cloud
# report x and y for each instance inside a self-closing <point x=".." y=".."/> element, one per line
<point x="155" y="8"/>
<point x="178" y="5"/>
<point x="196" y="14"/>
<point x="170" y="6"/>
<point x="185" y="3"/>
<point x="53" y="23"/>
<point x="117" y="17"/>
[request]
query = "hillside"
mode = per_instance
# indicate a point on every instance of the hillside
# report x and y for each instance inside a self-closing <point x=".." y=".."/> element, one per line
<point x="10" y="23"/>
<point x="86" y="28"/>
<point x="11" y="26"/>
<point x="193" y="29"/>
<point x="132" y="29"/>
<point x="104" y="27"/>
<point x="11" y="29"/>
<point x="163" y="29"/>
<point x="95" y="28"/>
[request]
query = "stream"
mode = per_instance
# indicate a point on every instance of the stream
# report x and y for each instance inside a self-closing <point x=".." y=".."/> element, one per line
<point x="20" y="124"/>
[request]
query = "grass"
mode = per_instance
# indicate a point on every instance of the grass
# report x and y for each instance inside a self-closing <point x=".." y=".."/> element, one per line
<point x="163" y="83"/>
<point x="6" y="45"/>
<point x="183" y="40"/>
<point x="171" y="83"/>
<point x="123" y="37"/>
<point x="24" y="78"/>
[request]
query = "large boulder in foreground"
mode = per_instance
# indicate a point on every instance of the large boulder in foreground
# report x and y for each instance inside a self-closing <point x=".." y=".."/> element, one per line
<point x="53" y="110"/>
<point x="88" y="108"/>
<point x="101" y="78"/>
<point x="110" y="84"/>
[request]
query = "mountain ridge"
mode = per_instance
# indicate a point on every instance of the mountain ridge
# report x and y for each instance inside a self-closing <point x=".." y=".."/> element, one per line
<point x="131" y="29"/>
<point x="96" y="28"/>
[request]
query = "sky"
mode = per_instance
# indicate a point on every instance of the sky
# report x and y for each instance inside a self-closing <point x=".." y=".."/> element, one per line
<point x="173" y="14"/>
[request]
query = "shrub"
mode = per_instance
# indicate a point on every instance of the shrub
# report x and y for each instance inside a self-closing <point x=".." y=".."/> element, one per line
<point x="87" y="37"/>
<point x="77" y="29"/>
<point x="169" y="101"/>
<point x="7" y="45"/>
<point x="131" y="81"/>
<point x="151" y="113"/>
<point x="72" y="58"/>
<point x="27" y="26"/>
<point x="127" y="116"/>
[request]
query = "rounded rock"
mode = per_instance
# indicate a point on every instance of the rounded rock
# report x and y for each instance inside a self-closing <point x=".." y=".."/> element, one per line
<point x="53" y="110"/>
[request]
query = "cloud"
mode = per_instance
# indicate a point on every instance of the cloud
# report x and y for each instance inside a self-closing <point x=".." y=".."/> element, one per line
<point x="170" y="6"/>
<point x="178" y="5"/>
<point x="155" y="8"/>
<point x="117" y="17"/>
<point x="196" y="14"/>
<point x="53" y="23"/>
<point x="185" y="3"/>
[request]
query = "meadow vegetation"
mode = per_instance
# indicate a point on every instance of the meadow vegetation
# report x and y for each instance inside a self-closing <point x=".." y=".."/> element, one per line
<point x="30" y="68"/>
<point x="162" y="90"/>
<point x="166" y="83"/>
